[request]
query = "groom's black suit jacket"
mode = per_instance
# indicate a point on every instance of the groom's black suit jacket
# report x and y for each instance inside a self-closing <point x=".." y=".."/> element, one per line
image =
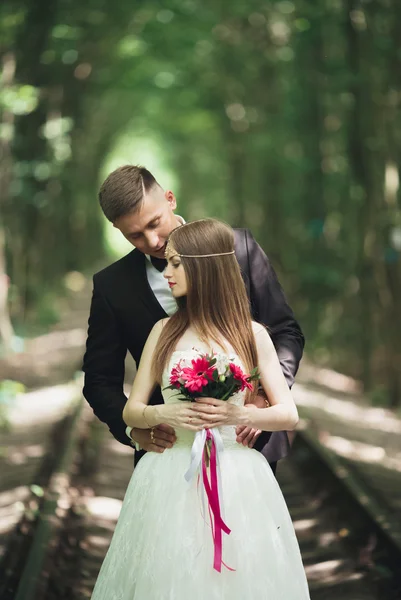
<point x="124" y="310"/>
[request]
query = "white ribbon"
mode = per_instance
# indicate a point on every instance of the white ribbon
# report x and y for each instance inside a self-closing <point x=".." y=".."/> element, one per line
<point x="198" y="447"/>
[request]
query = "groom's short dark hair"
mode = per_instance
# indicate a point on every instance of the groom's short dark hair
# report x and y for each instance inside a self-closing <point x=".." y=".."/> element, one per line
<point x="123" y="190"/>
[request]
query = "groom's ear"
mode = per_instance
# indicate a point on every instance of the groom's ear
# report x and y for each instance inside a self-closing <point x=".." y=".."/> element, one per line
<point x="171" y="199"/>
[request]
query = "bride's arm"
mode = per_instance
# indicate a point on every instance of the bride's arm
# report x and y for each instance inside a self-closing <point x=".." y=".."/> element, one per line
<point x="281" y="415"/>
<point x="137" y="413"/>
<point x="144" y="383"/>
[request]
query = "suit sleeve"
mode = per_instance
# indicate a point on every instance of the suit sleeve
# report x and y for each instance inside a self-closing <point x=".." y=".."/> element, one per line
<point x="104" y="366"/>
<point x="270" y="307"/>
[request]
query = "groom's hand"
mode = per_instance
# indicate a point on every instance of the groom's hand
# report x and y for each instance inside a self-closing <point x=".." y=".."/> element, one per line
<point x="246" y="435"/>
<point x="163" y="437"/>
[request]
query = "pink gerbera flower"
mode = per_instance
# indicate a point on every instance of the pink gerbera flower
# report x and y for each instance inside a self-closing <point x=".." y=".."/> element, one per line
<point x="197" y="377"/>
<point x="176" y="378"/>
<point x="239" y="376"/>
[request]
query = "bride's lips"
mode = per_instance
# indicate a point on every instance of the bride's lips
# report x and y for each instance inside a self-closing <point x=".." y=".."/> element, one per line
<point x="171" y="284"/>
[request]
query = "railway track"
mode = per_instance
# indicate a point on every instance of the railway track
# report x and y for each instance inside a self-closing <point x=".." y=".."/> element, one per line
<point x="22" y="563"/>
<point x="57" y="553"/>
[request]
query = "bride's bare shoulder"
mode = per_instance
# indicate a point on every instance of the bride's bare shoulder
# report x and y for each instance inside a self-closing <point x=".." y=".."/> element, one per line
<point x="160" y="324"/>
<point x="258" y="328"/>
<point x="261" y="333"/>
<point x="157" y="328"/>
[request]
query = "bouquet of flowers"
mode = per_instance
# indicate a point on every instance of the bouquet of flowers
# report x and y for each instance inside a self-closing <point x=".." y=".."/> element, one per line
<point x="210" y="376"/>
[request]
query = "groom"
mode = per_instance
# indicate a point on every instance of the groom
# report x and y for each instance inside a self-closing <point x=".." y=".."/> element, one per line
<point x="130" y="295"/>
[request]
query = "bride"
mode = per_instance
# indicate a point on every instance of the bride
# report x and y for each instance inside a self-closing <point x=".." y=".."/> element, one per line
<point x="165" y="539"/>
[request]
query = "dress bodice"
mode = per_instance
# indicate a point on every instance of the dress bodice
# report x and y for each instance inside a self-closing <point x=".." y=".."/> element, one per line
<point x="185" y="437"/>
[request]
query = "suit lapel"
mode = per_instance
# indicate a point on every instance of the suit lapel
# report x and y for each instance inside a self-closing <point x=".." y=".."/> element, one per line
<point x="143" y="291"/>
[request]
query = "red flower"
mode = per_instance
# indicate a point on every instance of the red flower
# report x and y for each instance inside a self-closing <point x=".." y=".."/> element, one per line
<point x="239" y="376"/>
<point x="176" y="378"/>
<point x="199" y="376"/>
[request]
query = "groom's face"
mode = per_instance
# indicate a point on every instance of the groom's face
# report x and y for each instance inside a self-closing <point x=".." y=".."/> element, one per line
<point x="148" y="228"/>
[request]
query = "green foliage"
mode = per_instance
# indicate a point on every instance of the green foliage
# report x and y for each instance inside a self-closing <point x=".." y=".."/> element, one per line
<point x="19" y="100"/>
<point x="8" y="392"/>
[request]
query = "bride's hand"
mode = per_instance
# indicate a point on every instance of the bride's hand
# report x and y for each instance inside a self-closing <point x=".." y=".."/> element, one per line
<point x="184" y="415"/>
<point x="217" y="413"/>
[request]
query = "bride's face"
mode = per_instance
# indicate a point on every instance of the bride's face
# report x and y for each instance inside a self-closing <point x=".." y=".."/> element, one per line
<point x="175" y="273"/>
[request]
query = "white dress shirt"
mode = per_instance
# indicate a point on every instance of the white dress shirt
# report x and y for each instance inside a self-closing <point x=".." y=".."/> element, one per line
<point x="165" y="298"/>
<point x="160" y="288"/>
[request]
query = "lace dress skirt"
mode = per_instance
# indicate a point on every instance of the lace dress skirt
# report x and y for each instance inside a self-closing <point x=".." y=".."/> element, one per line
<point x="162" y="548"/>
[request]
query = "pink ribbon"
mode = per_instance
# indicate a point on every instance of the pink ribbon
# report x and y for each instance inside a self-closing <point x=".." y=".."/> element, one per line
<point x="212" y="492"/>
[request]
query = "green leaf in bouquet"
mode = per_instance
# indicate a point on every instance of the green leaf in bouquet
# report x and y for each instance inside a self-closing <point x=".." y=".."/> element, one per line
<point x="215" y="375"/>
<point x="229" y="380"/>
<point x="254" y="375"/>
<point x="232" y="390"/>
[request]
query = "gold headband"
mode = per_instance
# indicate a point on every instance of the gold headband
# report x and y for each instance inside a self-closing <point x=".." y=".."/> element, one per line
<point x="206" y="255"/>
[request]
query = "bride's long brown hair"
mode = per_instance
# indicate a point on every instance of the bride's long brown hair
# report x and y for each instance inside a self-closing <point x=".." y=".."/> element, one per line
<point x="216" y="304"/>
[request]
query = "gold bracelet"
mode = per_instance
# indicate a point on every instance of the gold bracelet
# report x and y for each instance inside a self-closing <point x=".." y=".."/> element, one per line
<point x="144" y="418"/>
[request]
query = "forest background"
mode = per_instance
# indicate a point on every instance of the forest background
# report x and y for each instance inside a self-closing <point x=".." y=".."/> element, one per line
<point x="280" y="116"/>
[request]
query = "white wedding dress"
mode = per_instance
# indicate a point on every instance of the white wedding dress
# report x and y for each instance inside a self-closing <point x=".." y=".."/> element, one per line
<point x="162" y="548"/>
